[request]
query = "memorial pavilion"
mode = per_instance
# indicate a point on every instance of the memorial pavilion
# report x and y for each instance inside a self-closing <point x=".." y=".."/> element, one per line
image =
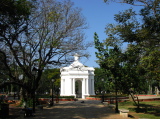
<point x="77" y="80"/>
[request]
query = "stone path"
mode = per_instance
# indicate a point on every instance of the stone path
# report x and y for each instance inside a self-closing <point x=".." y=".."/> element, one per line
<point x="77" y="110"/>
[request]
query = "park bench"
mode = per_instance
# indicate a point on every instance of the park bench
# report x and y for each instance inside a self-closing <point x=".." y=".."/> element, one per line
<point x="124" y="112"/>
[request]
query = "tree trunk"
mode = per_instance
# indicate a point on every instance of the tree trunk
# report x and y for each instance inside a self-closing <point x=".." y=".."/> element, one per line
<point x="133" y="99"/>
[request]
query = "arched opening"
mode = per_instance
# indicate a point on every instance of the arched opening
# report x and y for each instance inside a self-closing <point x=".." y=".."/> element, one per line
<point x="78" y="88"/>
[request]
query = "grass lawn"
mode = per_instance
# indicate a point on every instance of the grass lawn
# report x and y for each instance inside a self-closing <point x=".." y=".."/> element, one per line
<point x="148" y="110"/>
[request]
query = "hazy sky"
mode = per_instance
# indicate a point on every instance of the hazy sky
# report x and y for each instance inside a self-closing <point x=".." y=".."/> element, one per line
<point x="98" y="14"/>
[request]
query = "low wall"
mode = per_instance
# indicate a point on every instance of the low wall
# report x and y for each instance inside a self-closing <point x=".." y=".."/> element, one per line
<point x="92" y="98"/>
<point x="146" y="95"/>
<point x="122" y="99"/>
<point x="55" y="99"/>
<point x="151" y="99"/>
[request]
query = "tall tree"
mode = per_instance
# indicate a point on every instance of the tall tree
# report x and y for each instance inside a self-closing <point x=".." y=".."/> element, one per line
<point x="45" y="34"/>
<point x="110" y="58"/>
<point x="130" y="67"/>
<point x="142" y="30"/>
<point x="13" y="22"/>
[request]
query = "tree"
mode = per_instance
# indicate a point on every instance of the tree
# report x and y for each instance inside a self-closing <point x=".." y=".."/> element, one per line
<point x="45" y="33"/>
<point x="99" y="75"/>
<point x="13" y="21"/>
<point x="45" y="83"/>
<point x="138" y="63"/>
<point x="142" y="33"/>
<point x="110" y="58"/>
<point x="133" y="72"/>
<point x="142" y="37"/>
<point x="2" y="69"/>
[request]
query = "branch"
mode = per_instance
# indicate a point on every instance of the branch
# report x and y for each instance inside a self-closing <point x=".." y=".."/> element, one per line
<point x="4" y="60"/>
<point x="16" y="83"/>
<point x="130" y="3"/>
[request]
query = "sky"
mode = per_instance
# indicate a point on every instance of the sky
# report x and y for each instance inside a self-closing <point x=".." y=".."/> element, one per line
<point x="98" y="14"/>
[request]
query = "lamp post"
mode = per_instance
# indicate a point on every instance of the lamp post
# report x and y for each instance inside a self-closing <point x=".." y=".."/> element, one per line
<point x="116" y="91"/>
<point x="102" y="100"/>
<point x="20" y="92"/>
<point x="34" y="71"/>
<point x="52" y="93"/>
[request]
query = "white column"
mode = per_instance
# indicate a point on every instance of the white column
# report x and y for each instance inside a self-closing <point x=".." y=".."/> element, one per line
<point x="83" y="87"/>
<point x="87" y="87"/>
<point x="73" y="85"/>
<point x="90" y="89"/>
<point x="93" y="92"/>
<point x="61" y="86"/>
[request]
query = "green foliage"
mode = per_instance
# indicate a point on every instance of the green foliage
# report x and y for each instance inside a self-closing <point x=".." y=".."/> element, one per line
<point x="138" y="65"/>
<point x="14" y="13"/>
<point x="28" y="102"/>
<point x="35" y="35"/>
<point x="110" y="60"/>
<point x="150" y="63"/>
<point x="105" y="85"/>
<point x="16" y="8"/>
<point x="126" y="103"/>
<point x="46" y="82"/>
<point x="38" y="34"/>
<point x="149" y="109"/>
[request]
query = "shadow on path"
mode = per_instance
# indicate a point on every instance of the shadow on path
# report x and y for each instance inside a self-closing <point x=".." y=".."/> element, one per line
<point x="77" y="110"/>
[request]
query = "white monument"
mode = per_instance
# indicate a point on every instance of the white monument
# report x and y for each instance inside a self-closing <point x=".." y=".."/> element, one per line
<point x="77" y="80"/>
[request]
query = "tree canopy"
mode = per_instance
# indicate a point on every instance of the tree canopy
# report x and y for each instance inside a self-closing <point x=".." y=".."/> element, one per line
<point x="139" y="62"/>
<point x="36" y="34"/>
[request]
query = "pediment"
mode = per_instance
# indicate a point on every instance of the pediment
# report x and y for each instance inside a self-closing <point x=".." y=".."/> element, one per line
<point x="76" y="66"/>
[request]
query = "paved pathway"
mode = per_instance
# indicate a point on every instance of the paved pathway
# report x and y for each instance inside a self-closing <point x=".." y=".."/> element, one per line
<point x="77" y="110"/>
